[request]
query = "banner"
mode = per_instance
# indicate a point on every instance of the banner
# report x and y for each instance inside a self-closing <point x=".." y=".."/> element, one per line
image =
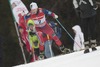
<point x="18" y="7"/>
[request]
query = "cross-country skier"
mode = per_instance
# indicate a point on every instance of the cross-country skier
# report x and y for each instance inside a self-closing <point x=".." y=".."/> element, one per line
<point x="37" y="47"/>
<point x="46" y="42"/>
<point x="23" y="32"/>
<point x="38" y="15"/>
<point x="87" y="12"/>
<point x="78" y="39"/>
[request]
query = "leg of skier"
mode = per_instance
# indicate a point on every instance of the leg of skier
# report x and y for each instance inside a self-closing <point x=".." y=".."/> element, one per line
<point x="48" y="30"/>
<point x="56" y="39"/>
<point x="47" y="49"/>
<point x="86" y="47"/>
<point x="84" y="26"/>
<point x="92" y="33"/>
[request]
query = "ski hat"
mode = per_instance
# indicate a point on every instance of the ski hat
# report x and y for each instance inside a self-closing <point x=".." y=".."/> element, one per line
<point x="77" y="28"/>
<point x="30" y="22"/>
<point x="33" y="5"/>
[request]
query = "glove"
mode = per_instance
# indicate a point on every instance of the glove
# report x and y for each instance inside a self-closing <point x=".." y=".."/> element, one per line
<point x="95" y="7"/>
<point x="55" y="16"/>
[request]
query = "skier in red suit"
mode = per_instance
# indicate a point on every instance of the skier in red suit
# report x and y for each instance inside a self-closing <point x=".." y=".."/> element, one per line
<point x="38" y="15"/>
<point x="22" y="29"/>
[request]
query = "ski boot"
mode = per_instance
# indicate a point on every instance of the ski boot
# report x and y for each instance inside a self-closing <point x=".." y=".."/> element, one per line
<point x="64" y="50"/>
<point x="86" y="47"/>
<point x="41" y="56"/>
<point x="93" y="45"/>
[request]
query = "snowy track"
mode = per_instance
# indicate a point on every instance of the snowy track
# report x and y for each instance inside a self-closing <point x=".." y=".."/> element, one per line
<point x="76" y="59"/>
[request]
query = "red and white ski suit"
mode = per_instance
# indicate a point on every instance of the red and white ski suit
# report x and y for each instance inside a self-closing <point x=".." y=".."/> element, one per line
<point x="42" y="25"/>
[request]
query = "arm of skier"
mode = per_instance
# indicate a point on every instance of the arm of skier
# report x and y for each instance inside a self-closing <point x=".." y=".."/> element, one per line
<point x="76" y="6"/>
<point x="47" y="12"/>
<point x="93" y="4"/>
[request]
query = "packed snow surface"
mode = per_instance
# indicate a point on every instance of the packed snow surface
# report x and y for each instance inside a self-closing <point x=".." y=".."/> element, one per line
<point x="75" y="59"/>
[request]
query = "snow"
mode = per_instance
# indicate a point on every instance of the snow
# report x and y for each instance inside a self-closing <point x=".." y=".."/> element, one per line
<point x="75" y="59"/>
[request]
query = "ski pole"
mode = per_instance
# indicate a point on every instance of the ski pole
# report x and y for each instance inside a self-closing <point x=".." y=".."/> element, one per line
<point x="67" y="31"/>
<point x="50" y="45"/>
<point x="20" y="44"/>
<point x="18" y="37"/>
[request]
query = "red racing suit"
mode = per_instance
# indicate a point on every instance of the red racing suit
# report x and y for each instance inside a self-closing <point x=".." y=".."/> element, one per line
<point x="42" y="25"/>
<point x="24" y="34"/>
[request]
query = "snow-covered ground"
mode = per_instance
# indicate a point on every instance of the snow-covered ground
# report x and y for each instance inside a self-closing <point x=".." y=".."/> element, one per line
<point x="76" y="59"/>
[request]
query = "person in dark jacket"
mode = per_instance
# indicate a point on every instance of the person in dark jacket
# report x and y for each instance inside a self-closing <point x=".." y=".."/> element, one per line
<point x="87" y="12"/>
